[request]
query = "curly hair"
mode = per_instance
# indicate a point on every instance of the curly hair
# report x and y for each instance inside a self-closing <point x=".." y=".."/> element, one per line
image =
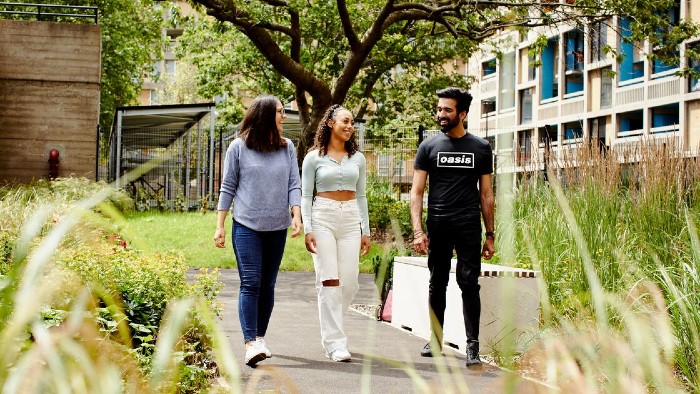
<point x="323" y="133"/>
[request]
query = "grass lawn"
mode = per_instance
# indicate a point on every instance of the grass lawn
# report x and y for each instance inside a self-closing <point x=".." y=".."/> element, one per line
<point x="192" y="235"/>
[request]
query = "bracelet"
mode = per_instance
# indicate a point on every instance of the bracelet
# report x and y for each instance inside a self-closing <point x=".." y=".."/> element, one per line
<point x="417" y="234"/>
<point x="490" y="234"/>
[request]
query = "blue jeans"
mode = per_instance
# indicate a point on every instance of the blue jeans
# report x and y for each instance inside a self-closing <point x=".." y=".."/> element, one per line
<point x="258" y="255"/>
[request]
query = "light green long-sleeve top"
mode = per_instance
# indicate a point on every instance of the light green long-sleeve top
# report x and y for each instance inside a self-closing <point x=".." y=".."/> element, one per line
<point x="326" y="174"/>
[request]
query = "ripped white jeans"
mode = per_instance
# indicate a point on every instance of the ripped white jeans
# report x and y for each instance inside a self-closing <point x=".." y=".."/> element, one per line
<point x="336" y="227"/>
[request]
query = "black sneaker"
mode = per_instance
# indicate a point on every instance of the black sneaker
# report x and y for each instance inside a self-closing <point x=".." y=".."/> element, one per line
<point x="427" y="351"/>
<point x="473" y="353"/>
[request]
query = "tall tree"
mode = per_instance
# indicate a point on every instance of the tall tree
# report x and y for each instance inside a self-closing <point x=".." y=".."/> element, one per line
<point x="332" y="52"/>
<point x="132" y="36"/>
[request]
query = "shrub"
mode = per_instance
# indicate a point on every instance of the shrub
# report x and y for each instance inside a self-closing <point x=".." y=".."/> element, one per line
<point x="144" y="285"/>
<point x="132" y="291"/>
<point x="384" y="208"/>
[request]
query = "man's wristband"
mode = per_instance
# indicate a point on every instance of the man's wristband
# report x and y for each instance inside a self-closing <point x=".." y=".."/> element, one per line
<point x="491" y="234"/>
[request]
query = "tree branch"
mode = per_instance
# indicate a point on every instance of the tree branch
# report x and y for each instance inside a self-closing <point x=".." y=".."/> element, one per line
<point x="347" y="25"/>
<point x="268" y="47"/>
<point x="358" y="56"/>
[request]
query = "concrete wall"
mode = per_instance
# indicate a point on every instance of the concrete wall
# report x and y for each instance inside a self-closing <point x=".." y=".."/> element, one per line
<point x="510" y="300"/>
<point x="49" y="98"/>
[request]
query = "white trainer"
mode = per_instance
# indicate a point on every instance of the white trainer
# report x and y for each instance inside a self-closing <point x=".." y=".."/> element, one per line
<point x="263" y="346"/>
<point x="340" y="355"/>
<point x="254" y="353"/>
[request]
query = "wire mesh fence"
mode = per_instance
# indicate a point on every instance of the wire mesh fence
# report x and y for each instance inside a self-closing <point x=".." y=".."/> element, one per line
<point x="179" y="176"/>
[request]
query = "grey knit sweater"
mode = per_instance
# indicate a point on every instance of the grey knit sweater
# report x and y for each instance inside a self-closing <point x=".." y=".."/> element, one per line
<point x="264" y="186"/>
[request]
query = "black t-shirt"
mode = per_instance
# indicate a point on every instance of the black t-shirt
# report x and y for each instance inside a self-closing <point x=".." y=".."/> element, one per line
<point x="454" y="166"/>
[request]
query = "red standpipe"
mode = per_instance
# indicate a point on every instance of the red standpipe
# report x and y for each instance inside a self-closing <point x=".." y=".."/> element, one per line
<point x="53" y="164"/>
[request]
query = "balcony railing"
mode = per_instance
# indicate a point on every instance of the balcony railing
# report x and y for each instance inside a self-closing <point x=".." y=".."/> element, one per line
<point x="48" y="12"/>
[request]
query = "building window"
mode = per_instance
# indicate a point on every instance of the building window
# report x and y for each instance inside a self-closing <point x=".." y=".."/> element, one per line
<point x="606" y="82"/>
<point x="526" y="106"/>
<point x="524" y="153"/>
<point x="599" y="40"/>
<point x="597" y="130"/>
<point x="488" y="67"/>
<point x="157" y="69"/>
<point x="573" y="63"/>
<point x="507" y="81"/>
<point x="632" y="65"/>
<point x="488" y="106"/>
<point x="530" y="68"/>
<point x="630" y="123"/>
<point x="573" y="47"/>
<point x="660" y="66"/>
<point x="573" y="130"/>
<point x="549" y="136"/>
<point x="664" y="119"/>
<point x="153" y="97"/>
<point x="170" y="66"/>
<point x="694" y="65"/>
<point x="550" y="69"/>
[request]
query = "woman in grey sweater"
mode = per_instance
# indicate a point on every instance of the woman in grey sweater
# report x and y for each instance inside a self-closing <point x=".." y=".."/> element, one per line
<point x="262" y="175"/>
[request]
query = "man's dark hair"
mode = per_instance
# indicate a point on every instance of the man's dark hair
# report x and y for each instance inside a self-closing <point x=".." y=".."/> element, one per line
<point x="463" y="98"/>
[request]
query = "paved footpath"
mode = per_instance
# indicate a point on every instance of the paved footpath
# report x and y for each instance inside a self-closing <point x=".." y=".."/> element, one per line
<point x="385" y="359"/>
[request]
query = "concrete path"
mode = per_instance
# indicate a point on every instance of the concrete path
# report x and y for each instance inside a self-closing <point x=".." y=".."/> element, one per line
<point x="385" y="359"/>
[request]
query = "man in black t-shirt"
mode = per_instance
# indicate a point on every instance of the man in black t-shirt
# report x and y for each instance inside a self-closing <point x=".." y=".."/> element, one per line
<point x="459" y="166"/>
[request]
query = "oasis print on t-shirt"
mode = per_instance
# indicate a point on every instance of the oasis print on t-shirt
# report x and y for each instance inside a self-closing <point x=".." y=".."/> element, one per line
<point x="455" y="159"/>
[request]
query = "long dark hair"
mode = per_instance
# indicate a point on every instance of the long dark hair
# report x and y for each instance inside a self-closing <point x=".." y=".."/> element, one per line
<point x="259" y="126"/>
<point x="323" y="133"/>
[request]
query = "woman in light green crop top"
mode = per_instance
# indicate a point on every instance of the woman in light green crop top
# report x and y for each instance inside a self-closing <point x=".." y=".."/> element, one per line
<point x="336" y="222"/>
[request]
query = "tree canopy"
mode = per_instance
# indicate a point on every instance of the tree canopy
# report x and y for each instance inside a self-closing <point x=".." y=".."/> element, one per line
<point x="381" y="56"/>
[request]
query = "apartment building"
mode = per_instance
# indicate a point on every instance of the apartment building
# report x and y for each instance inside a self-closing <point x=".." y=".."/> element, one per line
<point x="164" y="68"/>
<point x="578" y="92"/>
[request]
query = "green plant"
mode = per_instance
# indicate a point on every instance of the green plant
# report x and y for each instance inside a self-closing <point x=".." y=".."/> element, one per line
<point x="383" y="268"/>
<point x="6" y="247"/>
<point x="98" y="300"/>
<point x="383" y="207"/>
<point x="610" y="227"/>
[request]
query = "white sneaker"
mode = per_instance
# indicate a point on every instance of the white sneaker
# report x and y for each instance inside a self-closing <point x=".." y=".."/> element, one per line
<point x="263" y="346"/>
<point x="254" y="353"/>
<point x="340" y="355"/>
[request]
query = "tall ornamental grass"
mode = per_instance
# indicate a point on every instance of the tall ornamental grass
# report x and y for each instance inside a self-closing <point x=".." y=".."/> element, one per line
<point x="82" y="313"/>
<point x="614" y="233"/>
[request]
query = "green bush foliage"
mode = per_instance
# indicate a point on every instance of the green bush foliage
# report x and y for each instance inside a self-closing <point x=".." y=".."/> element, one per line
<point x="131" y="289"/>
<point x="384" y="207"/>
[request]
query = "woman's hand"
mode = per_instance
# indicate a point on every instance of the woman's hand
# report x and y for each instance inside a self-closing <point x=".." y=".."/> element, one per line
<point x="296" y="226"/>
<point x="220" y="237"/>
<point x="364" y="245"/>
<point x="310" y="242"/>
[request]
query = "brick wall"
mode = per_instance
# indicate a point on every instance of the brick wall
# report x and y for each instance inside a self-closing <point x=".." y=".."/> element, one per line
<point x="49" y="98"/>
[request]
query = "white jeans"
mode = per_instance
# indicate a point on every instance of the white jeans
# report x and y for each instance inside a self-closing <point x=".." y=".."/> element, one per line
<point x="336" y="227"/>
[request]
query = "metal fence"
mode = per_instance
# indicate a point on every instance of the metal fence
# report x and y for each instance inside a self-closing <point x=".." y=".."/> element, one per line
<point x="168" y="166"/>
<point x="391" y="159"/>
<point x="49" y="12"/>
<point x="178" y="176"/>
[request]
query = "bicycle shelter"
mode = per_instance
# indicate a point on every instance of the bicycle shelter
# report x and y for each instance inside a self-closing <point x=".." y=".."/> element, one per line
<point x="171" y="150"/>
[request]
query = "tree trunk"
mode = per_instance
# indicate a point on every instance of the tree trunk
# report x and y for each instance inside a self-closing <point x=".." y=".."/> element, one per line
<point x="308" y="133"/>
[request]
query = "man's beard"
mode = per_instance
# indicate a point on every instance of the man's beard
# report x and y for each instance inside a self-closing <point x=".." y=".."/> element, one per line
<point x="451" y="124"/>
